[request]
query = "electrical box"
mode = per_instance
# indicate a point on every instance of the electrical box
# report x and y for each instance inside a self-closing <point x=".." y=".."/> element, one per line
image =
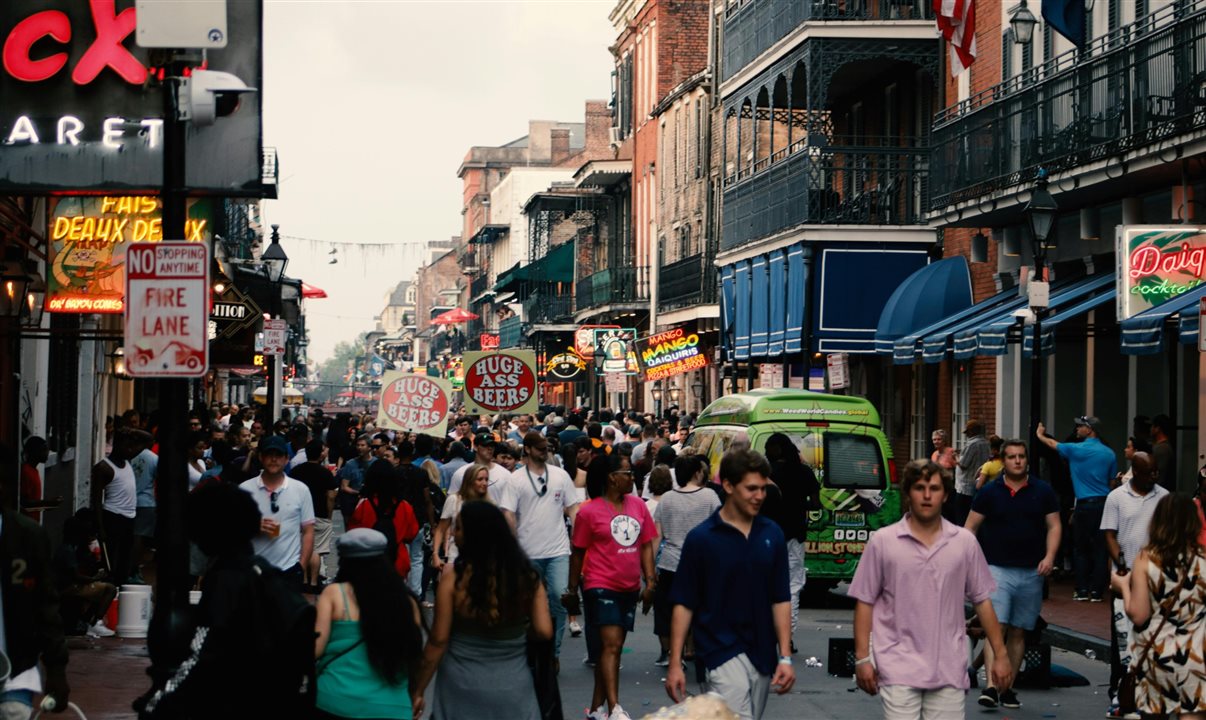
<point x="183" y="24"/>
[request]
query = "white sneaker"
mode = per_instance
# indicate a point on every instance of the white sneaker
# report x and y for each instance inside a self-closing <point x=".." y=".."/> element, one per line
<point x="597" y="714"/>
<point x="100" y="630"/>
<point x="617" y="713"/>
<point x="575" y="629"/>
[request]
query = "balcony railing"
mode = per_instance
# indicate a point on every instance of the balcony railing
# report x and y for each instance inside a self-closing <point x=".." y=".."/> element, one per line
<point x="826" y="185"/>
<point x="1141" y="85"/>
<point x="479" y="285"/>
<point x="753" y="26"/>
<point x="539" y="308"/>
<point x="612" y="286"/>
<point x="690" y="281"/>
<point x="510" y="332"/>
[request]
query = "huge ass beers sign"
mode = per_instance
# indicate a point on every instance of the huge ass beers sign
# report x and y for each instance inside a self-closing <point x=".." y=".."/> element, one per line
<point x="415" y="403"/>
<point x="81" y="107"/>
<point x="500" y="382"/>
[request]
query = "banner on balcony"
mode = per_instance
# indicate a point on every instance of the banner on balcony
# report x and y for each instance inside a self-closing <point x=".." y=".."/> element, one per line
<point x="1156" y="264"/>
<point x="565" y="367"/>
<point x="618" y="355"/>
<point x="413" y="403"/>
<point x="500" y="382"/>
<point x="671" y="353"/>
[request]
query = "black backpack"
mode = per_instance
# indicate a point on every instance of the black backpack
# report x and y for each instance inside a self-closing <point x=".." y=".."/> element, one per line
<point x="385" y="526"/>
<point x="287" y="635"/>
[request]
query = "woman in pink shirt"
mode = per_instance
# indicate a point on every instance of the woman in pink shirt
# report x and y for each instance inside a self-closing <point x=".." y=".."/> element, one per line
<point x="618" y="532"/>
<point x="943" y="454"/>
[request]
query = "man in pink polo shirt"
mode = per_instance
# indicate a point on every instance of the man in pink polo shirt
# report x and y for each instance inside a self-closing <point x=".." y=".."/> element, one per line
<point x="911" y="585"/>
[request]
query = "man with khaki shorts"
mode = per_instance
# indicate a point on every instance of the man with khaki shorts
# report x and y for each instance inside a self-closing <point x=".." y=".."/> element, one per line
<point x="323" y="487"/>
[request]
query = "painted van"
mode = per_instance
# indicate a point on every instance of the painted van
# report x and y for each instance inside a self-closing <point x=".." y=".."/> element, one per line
<point x="840" y="438"/>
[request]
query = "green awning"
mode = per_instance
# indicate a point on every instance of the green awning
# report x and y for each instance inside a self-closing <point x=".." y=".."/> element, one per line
<point x="557" y="266"/>
<point x="509" y="280"/>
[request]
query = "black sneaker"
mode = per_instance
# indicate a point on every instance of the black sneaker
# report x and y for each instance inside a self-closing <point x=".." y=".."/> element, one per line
<point x="1080" y="596"/>
<point x="989" y="698"/>
<point x="1009" y="699"/>
<point x="1095" y="597"/>
<point x="793" y="647"/>
<point x="663" y="660"/>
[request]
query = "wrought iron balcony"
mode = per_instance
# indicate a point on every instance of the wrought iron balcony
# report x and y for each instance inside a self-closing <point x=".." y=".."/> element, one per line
<point x="825" y="185"/>
<point x="686" y="282"/>
<point x="479" y="285"/>
<point x="753" y="26"/>
<point x="1139" y="86"/>
<point x="613" y="286"/>
<point x="539" y="308"/>
<point x="510" y="332"/>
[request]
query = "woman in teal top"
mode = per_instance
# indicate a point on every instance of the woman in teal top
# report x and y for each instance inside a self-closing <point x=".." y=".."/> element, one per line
<point x="369" y="638"/>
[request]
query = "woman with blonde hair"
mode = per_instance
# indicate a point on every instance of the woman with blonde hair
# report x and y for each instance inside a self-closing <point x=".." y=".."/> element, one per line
<point x="475" y="487"/>
<point x="1165" y="596"/>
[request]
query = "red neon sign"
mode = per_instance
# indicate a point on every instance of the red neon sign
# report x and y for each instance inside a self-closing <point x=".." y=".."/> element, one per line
<point x="106" y="51"/>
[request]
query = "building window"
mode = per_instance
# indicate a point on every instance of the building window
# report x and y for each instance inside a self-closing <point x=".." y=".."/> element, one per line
<point x="960" y="404"/>
<point x="919" y="434"/>
<point x="699" y="137"/>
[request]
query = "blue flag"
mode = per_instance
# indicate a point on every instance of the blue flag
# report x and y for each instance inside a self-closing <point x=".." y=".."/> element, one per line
<point x="1067" y="17"/>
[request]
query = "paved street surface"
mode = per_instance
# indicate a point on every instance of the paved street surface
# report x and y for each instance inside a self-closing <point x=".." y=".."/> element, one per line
<point x="107" y="674"/>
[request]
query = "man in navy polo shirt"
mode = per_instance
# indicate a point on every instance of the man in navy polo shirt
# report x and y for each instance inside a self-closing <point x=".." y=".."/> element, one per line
<point x="732" y="590"/>
<point x="1017" y="520"/>
<point x="1092" y="465"/>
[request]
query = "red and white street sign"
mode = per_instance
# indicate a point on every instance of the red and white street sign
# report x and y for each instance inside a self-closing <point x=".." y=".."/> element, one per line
<point x="167" y="310"/>
<point x="274" y="336"/>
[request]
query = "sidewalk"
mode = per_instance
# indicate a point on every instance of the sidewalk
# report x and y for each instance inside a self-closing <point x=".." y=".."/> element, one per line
<point x="106" y="675"/>
<point x="1076" y="626"/>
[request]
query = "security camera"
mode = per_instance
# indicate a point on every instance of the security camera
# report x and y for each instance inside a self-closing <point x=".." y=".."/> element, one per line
<point x="211" y="94"/>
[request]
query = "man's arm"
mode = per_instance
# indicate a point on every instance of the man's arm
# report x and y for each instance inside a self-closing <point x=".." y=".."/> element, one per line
<point x="865" y="673"/>
<point x="307" y="543"/>
<point x="102" y="475"/>
<point x="575" y="570"/>
<point x="676" y="679"/>
<point x="1001" y="672"/>
<point x="785" y="675"/>
<point x="973" y="521"/>
<point x="1111" y="538"/>
<point x="1053" y="537"/>
<point x="1041" y="433"/>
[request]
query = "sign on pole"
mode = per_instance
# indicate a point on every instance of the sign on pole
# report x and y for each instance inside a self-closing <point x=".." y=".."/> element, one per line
<point x="616" y="382"/>
<point x="414" y="403"/>
<point x="167" y="310"/>
<point x="770" y="375"/>
<point x="839" y="371"/>
<point x="274" y="336"/>
<point x="500" y="382"/>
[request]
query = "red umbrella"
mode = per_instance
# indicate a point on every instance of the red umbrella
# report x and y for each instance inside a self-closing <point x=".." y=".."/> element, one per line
<point x="315" y="293"/>
<point x="454" y="316"/>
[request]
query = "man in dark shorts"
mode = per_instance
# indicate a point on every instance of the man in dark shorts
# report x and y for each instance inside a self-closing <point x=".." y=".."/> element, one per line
<point x="323" y="486"/>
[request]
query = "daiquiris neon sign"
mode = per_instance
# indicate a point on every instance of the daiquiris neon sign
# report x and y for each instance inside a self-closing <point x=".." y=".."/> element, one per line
<point x="1156" y="264"/>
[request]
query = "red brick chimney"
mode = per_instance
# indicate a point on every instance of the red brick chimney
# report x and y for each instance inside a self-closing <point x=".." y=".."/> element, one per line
<point x="559" y="139"/>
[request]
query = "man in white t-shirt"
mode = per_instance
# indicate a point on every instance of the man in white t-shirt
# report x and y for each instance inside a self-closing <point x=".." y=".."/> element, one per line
<point x="537" y="500"/>
<point x="483" y="455"/>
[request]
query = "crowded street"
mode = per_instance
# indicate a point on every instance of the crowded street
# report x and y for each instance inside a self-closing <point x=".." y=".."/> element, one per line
<point x="602" y="359"/>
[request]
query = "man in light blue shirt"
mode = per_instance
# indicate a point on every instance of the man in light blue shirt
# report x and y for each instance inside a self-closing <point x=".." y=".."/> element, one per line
<point x="1092" y="465"/>
<point x="286" y="537"/>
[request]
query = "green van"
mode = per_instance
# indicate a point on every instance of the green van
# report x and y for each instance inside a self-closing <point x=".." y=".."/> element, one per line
<point x="840" y="438"/>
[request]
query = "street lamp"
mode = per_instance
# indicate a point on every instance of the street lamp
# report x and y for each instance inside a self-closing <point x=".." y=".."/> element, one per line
<point x="274" y="258"/>
<point x="1040" y="215"/>
<point x="675" y="393"/>
<point x="35" y="302"/>
<point x="697" y="387"/>
<point x="656" y="392"/>
<point x="600" y="357"/>
<point x="1022" y="23"/>
<point x="13" y="281"/>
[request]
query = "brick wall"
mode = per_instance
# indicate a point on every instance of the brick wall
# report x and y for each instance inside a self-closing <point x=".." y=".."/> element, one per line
<point x="682" y="43"/>
<point x="681" y="194"/>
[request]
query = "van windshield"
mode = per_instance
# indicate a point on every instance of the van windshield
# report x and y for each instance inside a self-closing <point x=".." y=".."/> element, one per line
<point x="843" y="460"/>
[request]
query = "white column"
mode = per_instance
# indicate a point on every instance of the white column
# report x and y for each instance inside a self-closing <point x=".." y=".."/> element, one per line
<point x="85" y="416"/>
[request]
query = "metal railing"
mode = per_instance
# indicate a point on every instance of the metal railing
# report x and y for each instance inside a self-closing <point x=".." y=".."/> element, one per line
<point x="613" y="285"/>
<point x="689" y="281"/>
<point x="540" y="308"/>
<point x="479" y="285"/>
<point x="1143" y="84"/>
<point x="827" y="185"/>
<point x="753" y="26"/>
<point x="510" y="332"/>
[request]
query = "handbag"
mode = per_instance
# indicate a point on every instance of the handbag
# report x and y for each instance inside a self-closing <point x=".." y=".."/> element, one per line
<point x="1130" y="680"/>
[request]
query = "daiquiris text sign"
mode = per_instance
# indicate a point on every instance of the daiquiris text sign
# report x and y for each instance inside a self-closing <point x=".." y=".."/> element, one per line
<point x="671" y="353"/>
<point x="1156" y="264"/>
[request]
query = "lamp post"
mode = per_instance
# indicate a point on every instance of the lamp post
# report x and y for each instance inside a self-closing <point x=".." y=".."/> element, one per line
<point x="656" y="392"/>
<point x="697" y="389"/>
<point x="1040" y="215"/>
<point x="274" y="260"/>
<point x="600" y="357"/>
<point x="1022" y="23"/>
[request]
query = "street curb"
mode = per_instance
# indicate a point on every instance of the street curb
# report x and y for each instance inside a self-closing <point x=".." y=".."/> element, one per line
<point x="1077" y="642"/>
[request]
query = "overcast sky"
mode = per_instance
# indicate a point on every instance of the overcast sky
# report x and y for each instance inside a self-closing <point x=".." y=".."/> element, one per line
<point x="372" y="104"/>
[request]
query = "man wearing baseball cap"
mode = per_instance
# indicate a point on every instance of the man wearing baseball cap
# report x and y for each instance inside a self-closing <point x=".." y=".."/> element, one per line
<point x="1092" y="465"/>
<point x="483" y="449"/>
<point x="286" y="537"/>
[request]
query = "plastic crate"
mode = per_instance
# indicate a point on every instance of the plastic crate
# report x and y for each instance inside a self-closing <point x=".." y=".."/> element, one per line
<point x="1036" y="667"/>
<point x="841" y="657"/>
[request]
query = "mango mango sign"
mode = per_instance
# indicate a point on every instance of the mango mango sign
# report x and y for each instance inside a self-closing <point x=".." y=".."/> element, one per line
<point x="414" y="403"/>
<point x="671" y="353"/>
<point x="500" y="382"/>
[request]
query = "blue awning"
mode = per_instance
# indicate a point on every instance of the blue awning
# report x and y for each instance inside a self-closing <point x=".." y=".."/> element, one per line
<point x="741" y="348"/>
<point x="933" y="341"/>
<point x="793" y="340"/>
<point x="1060" y="314"/>
<point x="778" y="304"/>
<point x="991" y="335"/>
<point x="727" y="310"/>
<point x="934" y="292"/>
<point x="758" y="299"/>
<point x="1144" y="333"/>
<point x="854" y="284"/>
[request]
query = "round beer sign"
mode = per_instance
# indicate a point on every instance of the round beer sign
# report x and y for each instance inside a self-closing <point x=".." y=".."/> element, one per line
<point x="499" y="382"/>
<point x="415" y="403"/>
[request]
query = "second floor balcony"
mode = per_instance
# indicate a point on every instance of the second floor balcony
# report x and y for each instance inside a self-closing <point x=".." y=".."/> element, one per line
<point x="613" y="286"/>
<point x="541" y="307"/>
<point x="1138" y="90"/>
<point x="479" y="286"/>
<point x="686" y="282"/>
<point x="835" y="185"/>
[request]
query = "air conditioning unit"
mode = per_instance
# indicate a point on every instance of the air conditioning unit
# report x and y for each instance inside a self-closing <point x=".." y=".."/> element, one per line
<point x="617" y="136"/>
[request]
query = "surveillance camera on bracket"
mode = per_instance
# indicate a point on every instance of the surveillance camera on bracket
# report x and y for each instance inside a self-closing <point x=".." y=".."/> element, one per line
<point x="210" y="94"/>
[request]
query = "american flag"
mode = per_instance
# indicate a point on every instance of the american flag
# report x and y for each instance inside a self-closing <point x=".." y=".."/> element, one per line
<point x="957" y="23"/>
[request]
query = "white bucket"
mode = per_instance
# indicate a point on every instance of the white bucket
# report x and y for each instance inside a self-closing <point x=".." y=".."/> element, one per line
<point x="133" y="614"/>
<point x="136" y="589"/>
<point x="194" y="597"/>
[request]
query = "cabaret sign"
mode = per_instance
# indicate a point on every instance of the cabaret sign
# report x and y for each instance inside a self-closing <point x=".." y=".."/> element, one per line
<point x="1156" y="264"/>
<point x="671" y="353"/>
<point x="414" y="403"/>
<point x="500" y="382"/>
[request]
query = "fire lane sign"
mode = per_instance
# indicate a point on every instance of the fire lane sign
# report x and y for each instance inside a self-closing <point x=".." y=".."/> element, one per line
<point x="167" y="310"/>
